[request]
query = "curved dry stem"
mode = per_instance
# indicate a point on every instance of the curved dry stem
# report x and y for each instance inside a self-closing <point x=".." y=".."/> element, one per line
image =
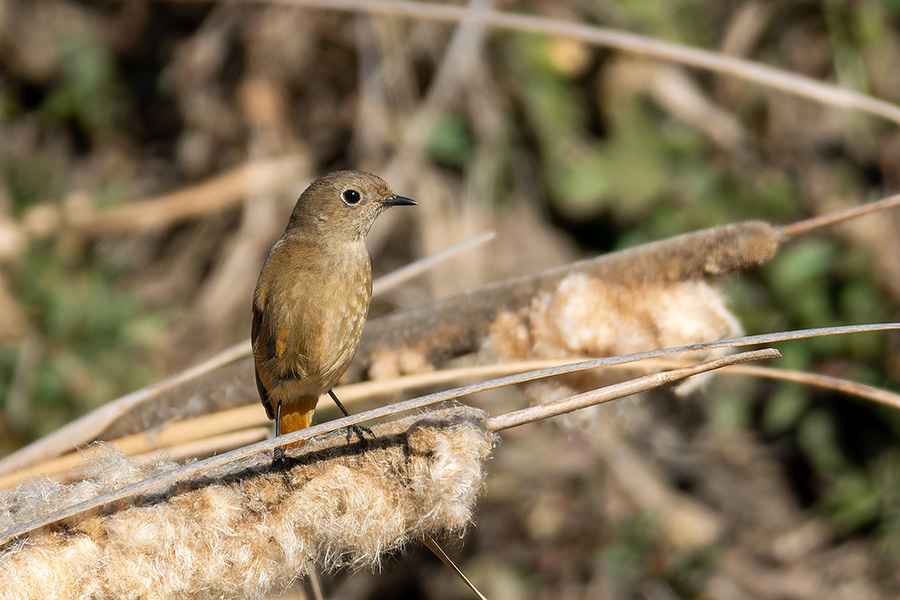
<point x="93" y="423"/>
<point x="639" y="45"/>
<point x="620" y="390"/>
<point x="826" y="382"/>
<point x="836" y="384"/>
<point x="203" y="466"/>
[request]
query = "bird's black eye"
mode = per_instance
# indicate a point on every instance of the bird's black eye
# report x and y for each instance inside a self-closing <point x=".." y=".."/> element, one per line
<point x="350" y="196"/>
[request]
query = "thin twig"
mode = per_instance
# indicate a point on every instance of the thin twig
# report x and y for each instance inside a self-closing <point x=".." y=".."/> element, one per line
<point x="801" y="227"/>
<point x="771" y="77"/>
<point x="439" y="552"/>
<point x="836" y="384"/>
<point x="620" y="390"/>
<point x="825" y="382"/>
<point x="403" y="274"/>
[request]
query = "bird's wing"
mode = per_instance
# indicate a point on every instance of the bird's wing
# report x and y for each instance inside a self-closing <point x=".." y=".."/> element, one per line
<point x="255" y="327"/>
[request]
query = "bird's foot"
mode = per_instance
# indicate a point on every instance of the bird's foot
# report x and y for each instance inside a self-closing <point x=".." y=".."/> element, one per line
<point x="278" y="458"/>
<point x="359" y="431"/>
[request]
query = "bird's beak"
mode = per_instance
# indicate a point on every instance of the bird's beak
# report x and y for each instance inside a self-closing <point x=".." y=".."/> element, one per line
<point x="395" y="200"/>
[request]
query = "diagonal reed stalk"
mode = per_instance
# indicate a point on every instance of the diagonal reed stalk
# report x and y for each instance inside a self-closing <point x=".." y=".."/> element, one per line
<point x="623" y="389"/>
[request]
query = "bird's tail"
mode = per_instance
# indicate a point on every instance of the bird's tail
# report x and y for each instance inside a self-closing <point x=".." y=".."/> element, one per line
<point x="298" y="416"/>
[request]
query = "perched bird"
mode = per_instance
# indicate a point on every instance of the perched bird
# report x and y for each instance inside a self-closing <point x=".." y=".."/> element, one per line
<point x="313" y="294"/>
<point x="312" y="299"/>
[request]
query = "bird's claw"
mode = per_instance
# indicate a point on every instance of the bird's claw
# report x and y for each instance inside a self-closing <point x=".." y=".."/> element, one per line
<point x="359" y="431"/>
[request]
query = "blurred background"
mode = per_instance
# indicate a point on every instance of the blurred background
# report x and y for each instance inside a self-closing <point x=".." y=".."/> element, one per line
<point x="150" y="153"/>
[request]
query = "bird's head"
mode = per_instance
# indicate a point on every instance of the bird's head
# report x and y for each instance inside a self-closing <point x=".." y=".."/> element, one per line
<point x="343" y="205"/>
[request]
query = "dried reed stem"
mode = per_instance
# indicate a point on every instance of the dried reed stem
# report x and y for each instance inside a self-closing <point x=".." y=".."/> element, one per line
<point x="92" y="424"/>
<point x="639" y="45"/>
<point x="208" y="434"/>
<point x="194" y="469"/>
<point x="620" y="390"/>
<point x="802" y="227"/>
<point x="404" y="274"/>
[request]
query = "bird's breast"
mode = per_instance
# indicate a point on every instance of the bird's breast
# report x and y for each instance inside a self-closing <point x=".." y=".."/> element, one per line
<point x="319" y="317"/>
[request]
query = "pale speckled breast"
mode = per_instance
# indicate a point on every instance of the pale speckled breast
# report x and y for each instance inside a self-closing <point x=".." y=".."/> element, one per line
<point x="317" y="315"/>
<point x="325" y="336"/>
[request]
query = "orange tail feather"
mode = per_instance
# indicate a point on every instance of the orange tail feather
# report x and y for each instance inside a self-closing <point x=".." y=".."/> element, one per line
<point x="296" y="417"/>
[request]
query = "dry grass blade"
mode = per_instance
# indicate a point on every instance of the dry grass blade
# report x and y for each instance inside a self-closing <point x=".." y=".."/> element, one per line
<point x="203" y="466"/>
<point x="209" y="446"/>
<point x="850" y="388"/>
<point x="439" y="552"/>
<point x="626" y="42"/>
<point x="404" y="274"/>
<point x="802" y="227"/>
<point x="620" y="390"/>
<point x="204" y="436"/>
<point x="91" y="424"/>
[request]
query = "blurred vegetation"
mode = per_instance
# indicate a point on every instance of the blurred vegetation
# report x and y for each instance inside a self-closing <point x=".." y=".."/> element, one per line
<point x="584" y="137"/>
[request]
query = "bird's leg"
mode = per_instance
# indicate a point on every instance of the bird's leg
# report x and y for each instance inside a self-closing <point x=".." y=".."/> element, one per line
<point x="278" y="461"/>
<point x="358" y="430"/>
<point x="338" y="402"/>
<point x="278" y="453"/>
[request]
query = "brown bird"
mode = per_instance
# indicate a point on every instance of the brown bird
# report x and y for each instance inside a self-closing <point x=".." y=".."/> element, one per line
<point x="312" y="296"/>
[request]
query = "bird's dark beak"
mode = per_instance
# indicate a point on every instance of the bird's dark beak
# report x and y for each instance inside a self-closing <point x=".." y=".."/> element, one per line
<point x="395" y="200"/>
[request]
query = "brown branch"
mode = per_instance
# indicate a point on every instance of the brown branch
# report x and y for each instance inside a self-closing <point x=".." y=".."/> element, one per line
<point x="214" y="194"/>
<point x="638" y="45"/>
